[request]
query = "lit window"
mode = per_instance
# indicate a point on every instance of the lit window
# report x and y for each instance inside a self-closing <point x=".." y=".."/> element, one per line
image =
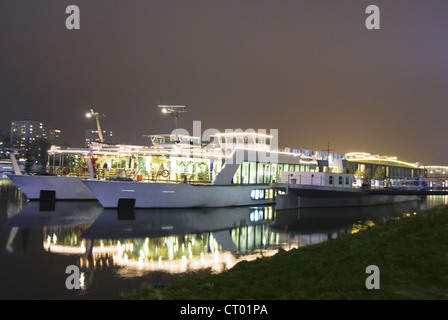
<point x="257" y="194"/>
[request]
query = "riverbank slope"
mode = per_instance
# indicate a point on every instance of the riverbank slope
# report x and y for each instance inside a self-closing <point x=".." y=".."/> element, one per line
<point x="411" y="254"/>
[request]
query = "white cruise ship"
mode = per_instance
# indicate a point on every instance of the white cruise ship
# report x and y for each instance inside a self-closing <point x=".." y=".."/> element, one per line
<point x="236" y="169"/>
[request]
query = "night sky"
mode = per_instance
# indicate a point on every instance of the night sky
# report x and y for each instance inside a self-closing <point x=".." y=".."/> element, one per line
<point x="308" y="68"/>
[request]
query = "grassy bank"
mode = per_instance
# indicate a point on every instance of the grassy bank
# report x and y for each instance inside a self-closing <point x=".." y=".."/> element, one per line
<point x="411" y="254"/>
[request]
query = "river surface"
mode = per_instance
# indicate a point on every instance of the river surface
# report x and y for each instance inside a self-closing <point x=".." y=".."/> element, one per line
<point x="117" y="251"/>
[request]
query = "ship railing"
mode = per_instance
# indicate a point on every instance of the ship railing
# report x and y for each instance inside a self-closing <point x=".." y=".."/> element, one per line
<point x="69" y="171"/>
<point x="164" y="175"/>
<point x="136" y="175"/>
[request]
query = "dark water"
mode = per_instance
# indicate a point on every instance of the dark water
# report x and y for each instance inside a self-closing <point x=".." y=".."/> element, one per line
<point x="118" y="251"/>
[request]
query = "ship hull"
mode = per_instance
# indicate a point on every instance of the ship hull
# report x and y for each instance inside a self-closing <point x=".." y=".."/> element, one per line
<point x="114" y="194"/>
<point x="61" y="188"/>
<point x="306" y="196"/>
<point x="360" y="200"/>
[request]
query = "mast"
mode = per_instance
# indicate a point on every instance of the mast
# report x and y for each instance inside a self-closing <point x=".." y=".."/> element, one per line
<point x="97" y="117"/>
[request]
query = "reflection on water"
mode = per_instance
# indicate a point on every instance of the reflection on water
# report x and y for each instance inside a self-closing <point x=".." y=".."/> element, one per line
<point x="140" y="243"/>
<point x="173" y="241"/>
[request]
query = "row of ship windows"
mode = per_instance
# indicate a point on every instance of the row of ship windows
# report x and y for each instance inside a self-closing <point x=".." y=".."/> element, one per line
<point x="340" y="180"/>
<point x="265" y="194"/>
<point x="259" y="173"/>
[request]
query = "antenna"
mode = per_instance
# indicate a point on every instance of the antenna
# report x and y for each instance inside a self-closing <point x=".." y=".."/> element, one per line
<point x="174" y="110"/>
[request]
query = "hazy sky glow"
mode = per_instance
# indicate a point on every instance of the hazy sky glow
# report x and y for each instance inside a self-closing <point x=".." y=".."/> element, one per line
<point x="308" y="68"/>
